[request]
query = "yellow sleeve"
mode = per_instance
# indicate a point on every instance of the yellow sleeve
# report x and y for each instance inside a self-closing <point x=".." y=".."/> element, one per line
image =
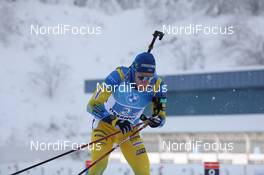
<point x="159" y="107"/>
<point x="158" y="103"/>
<point x="98" y="98"/>
<point x="101" y="94"/>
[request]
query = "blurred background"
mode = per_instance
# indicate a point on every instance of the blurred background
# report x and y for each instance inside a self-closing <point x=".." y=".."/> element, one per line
<point x="215" y="82"/>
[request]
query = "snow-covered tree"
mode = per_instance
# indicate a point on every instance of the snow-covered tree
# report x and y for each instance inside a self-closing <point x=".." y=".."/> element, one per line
<point x="244" y="46"/>
<point x="188" y="53"/>
<point x="221" y="7"/>
<point x="50" y="76"/>
<point x="8" y="22"/>
<point x="166" y="11"/>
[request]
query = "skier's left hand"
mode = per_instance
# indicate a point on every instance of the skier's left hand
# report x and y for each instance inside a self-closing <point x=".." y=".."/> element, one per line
<point x="155" y="122"/>
<point x="124" y="126"/>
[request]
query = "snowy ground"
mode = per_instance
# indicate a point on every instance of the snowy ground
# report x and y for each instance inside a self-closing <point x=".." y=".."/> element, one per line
<point x="68" y="167"/>
<point x="28" y="113"/>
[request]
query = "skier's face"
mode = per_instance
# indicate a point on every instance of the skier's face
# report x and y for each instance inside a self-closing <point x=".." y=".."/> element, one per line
<point x="143" y="79"/>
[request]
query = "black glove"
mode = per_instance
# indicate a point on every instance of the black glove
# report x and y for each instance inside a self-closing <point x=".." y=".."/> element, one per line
<point x="155" y="122"/>
<point x="123" y="125"/>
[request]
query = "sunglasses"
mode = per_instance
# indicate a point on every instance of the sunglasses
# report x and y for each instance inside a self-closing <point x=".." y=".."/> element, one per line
<point x="143" y="78"/>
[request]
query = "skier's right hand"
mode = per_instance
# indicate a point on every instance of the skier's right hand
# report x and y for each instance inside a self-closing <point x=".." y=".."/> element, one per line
<point x="124" y="126"/>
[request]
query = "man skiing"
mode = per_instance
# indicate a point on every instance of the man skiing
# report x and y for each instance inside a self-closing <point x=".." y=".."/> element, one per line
<point x="121" y="108"/>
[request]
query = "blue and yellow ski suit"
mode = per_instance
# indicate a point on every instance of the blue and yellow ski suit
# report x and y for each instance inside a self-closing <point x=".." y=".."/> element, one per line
<point x="126" y="105"/>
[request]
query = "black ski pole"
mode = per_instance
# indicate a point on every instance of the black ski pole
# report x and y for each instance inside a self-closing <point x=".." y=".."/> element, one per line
<point x="68" y="152"/>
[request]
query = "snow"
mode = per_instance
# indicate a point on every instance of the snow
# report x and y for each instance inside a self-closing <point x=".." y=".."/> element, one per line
<point x="69" y="167"/>
<point x="27" y="113"/>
